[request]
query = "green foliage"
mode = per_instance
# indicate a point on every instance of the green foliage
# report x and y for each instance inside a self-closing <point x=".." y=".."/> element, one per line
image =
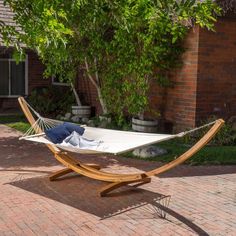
<point x="4" y="119"/>
<point x="125" y="43"/>
<point x="17" y="122"/>
<point x="112" y="124"/>
<point x="49" y="101"/>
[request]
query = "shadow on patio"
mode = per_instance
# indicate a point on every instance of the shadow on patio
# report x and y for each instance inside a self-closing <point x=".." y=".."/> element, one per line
<point x="31" y="162"/>
<point x="80" y="193"/>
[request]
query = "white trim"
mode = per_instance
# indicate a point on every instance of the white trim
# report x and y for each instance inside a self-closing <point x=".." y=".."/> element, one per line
<point x="9" y="96"/>
<point x="59" y="83"/>
<point x="26" y="75"/>
<point x="9" y="78"/>
<point x="7" y="59"/>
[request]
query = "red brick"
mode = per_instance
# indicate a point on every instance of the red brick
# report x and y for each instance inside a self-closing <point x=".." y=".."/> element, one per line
<point x="202" y="198"/>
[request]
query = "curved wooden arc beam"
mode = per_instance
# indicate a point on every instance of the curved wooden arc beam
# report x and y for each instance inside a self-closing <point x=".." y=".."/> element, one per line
<point x="194" y="149"/>
<point x="116" y="180"/>
<point x="69" y="162"/>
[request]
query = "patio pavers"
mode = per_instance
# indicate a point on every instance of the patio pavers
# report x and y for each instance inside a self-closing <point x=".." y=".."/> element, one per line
<point x="203" y="199"/>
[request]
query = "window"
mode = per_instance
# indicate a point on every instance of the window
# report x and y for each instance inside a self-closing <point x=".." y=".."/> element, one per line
<point x="13" y="77"/>
<point x="56" y="81"/>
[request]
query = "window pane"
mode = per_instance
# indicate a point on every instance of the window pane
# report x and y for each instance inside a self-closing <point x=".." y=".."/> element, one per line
<point x="56" y="81"/>
<point x="17" y="78"/>
<point x="4" y="77"/>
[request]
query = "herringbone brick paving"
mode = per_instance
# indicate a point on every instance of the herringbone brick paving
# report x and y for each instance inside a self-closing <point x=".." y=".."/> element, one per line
<point x="203" y="199"/>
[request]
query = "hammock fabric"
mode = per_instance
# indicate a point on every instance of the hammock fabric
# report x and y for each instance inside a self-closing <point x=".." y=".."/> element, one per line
<point x="113" y="141"/>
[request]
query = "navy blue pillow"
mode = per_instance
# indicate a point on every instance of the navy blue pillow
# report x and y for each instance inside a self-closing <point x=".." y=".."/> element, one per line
<point x="58" y="133"/>
<point x="72" y="127"/>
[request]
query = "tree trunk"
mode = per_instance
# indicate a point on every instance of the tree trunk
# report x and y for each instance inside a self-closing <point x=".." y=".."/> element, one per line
<point x="98" y="88"/>
<point x="103" y="104"/>
<point x="76" y="95"/>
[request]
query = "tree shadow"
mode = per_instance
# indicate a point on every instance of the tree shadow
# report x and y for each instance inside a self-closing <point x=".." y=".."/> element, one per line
<point x="128" y="202"/>
<point x="15" y="153"/>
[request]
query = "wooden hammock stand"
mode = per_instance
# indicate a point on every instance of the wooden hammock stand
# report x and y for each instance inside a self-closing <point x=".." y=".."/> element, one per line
<point x="116" y="180"/>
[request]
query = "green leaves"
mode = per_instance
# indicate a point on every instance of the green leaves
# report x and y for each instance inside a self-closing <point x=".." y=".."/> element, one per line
<point x="129" y="39"/>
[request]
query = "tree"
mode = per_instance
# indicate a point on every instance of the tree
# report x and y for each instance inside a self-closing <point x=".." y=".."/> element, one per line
<point x="121" y="45"/>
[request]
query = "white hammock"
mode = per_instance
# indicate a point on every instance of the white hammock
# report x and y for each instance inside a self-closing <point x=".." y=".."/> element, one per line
<point x="112" y="141"/>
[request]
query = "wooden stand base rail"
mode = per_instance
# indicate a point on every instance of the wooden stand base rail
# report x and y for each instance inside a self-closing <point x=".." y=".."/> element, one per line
<point x="116" y="180"/>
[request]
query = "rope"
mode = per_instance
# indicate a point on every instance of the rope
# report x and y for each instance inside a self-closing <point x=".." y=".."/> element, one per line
<point x="32" y="109"/>
<point x="41" y="124"/>
<point x="195" y="129"/>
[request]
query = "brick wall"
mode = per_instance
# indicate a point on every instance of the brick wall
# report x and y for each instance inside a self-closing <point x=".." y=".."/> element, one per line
<point x="88" y="93"/>
<point x="35" y="72"/>
<point x="8" y="103"/>
<point x="177" y="104"/>
<point x="216" y="89"/>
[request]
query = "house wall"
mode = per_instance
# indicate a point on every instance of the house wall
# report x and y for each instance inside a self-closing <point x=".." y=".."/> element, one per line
<point x="177" y="103"/>
<point x="35" y="72"/>
<point x="216" y="88"/>
<point x="88" y="93"/>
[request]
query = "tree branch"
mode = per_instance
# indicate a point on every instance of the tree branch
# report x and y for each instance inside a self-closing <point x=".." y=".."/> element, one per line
<point x="96" y="72"/>
<point x="76" y="95"/>
<point x="97" y="86"/>
<point x="89" y="75"/>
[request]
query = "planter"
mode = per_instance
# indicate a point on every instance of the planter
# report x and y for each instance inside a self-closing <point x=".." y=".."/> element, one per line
<point x="81" y="111"/>
<point x="147" y="126"/>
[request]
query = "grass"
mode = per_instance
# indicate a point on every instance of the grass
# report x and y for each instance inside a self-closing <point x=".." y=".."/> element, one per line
<point x="17" y="122"/>
<point x="209" y="155"/>
<point x="20" y="126"/>
<point x="11" y="119"/>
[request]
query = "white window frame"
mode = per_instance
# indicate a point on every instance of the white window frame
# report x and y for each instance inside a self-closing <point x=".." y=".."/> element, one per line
<point x="26" y="78"/>
<point x="59" y="83"/>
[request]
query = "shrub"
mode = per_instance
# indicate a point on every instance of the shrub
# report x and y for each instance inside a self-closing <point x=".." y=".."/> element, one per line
<point x="50" y="102"/>
<point x="225" y="136"/>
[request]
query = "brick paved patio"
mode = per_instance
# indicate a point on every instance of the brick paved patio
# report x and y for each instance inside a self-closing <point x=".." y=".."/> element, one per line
<point x="203" y="199"/>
